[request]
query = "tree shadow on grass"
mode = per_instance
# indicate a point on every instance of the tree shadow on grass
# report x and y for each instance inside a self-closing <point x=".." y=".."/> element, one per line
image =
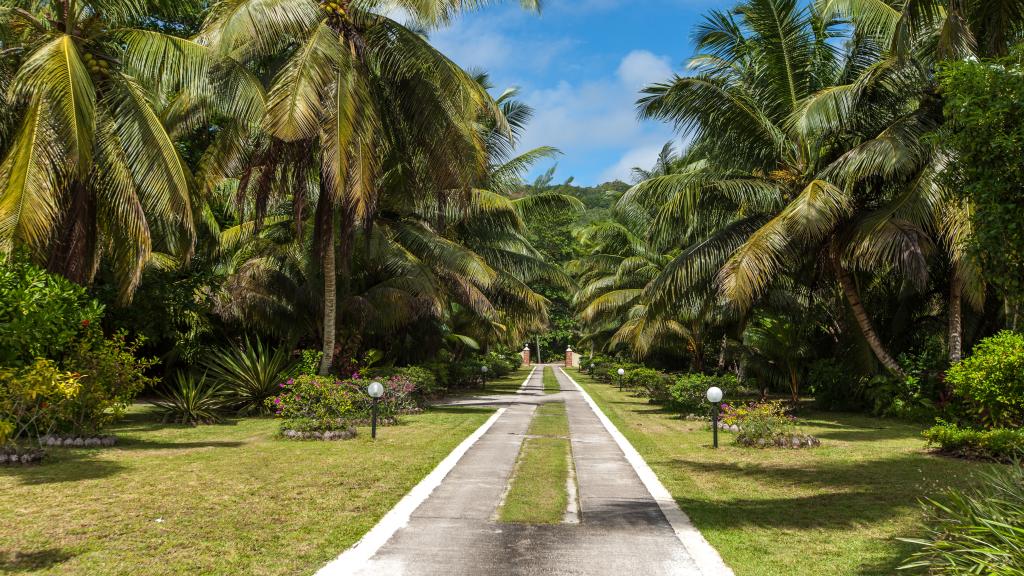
<point x="460" y="409"/>
<point x="37" y="560"/>
<point x="851" y="493"/>
<point x="63" y="466"/>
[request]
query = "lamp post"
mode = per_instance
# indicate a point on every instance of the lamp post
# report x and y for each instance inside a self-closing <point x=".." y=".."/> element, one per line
<point x="622" y="372"/>
<point x="592" y="366"/>
<point x="715" y="397"/>
<point x="483" y="376"/>
<point x="375" y="390"/>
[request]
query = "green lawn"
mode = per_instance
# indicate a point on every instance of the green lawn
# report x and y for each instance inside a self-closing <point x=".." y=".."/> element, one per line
<point x="226" y="499"/>
<point x="538" y="492"/>
<point x="551" y="385"/>
<point x="836" y="510"/>
<point x="509" y="384"/>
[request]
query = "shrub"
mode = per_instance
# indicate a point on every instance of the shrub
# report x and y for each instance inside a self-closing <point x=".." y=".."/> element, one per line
<point x="32" y="399"/>
<point x="760" y="423"/>
<point x="191" y="400"/>
<point x="999" y="444"/>
<point x="990" y="382"/>
<point x="502" y="363"/>
<point x="835" y="386"/>
<point x="398" y="398"/>
<point x="249" y="374"/>
<point x="317" y="404"/>
<point x="112" y="374"/>
<point x="979" y="530"/>
<point x="41" y="314"/>
<point x="689" y="391"/>
<point x="423" y="380"/>
<point x="309" y="362"/>
<point x="650" y="383"/>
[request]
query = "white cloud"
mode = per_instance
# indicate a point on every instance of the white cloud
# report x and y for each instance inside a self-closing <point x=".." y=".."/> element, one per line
<point x="642" y="157"/>
<point x="599" y="117"/>
<point x="640" y="68"/>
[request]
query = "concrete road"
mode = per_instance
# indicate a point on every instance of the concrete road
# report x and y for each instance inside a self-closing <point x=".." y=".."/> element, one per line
<point x="621" y="530"/>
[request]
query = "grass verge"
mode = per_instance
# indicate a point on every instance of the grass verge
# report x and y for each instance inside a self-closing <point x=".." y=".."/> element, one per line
<point x="833" y="511"/>
<point x="551" y="385"/>
<point x="508" y="384"/>
<point x="224" y="499"/>
<point x="538" y="494"/>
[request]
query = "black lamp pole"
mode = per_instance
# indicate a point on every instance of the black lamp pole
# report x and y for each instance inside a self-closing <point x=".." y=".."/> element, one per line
<point x="714" y="422"/>
<point x="373" y="424"/>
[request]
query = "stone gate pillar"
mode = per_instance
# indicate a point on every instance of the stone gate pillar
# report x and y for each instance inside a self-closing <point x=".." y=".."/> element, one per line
<point x="526" y="355"/>
<point x="568" y="357"/>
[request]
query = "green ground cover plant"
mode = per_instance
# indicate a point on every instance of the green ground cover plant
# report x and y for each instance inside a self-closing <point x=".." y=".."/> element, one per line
<point x="223" y="499"/>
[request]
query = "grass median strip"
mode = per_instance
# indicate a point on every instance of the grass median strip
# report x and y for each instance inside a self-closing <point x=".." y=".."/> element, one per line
<point x="538" y="493"/>
<point x="551" y="385"/>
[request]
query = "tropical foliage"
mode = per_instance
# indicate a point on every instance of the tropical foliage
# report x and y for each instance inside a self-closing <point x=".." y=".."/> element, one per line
<point x="816" y="212"/>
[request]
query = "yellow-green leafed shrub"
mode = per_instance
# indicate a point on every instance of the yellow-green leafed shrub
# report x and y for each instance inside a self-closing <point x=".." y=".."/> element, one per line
<point x="33" y="399"/>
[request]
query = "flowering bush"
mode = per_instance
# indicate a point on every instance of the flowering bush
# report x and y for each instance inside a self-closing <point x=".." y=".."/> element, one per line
<point x="759" y="422"/>
<point x="398" y="398"/>
<point x="314" y="403"/>
<point x="424" y="382"/>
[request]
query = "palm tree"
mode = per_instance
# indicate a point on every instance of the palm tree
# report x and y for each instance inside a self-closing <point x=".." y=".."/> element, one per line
<point x="89" y="170"/>
<point x="951" y="29"/>
<point x="355" y="87"/>
<point x="800" y="153"/>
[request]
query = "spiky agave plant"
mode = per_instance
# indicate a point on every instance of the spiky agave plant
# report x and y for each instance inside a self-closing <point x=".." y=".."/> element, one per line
<point x="191" y="400"/>
<point x="249" y="374"/>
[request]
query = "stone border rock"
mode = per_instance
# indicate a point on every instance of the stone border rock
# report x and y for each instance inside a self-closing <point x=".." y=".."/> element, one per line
<point x="78" y="441"/>
<point x="782" y="441"/>
<point x="16" y="456"/>
<point x="330" y="435"/>
<point x="793" y="441"/>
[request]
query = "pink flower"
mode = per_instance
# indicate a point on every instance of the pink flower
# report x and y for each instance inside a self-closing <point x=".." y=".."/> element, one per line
<point x="291" y="381"/>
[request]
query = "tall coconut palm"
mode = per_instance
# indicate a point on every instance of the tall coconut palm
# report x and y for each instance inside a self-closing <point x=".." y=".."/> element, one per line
<point x="91" y="171"/>
<point x="801" y="152"/>
<point x="353" y="83"/>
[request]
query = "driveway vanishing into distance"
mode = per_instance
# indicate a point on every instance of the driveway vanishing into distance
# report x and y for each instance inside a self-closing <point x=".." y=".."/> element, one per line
<point x="615" y="526"/>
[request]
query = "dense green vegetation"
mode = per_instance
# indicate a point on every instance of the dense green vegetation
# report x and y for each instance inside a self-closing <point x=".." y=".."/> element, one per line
<point x="253" y="208"/>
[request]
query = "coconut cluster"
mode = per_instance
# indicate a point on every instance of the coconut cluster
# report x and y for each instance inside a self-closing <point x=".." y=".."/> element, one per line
<point x="334" y="8"/>
<point x="96" y="65"/>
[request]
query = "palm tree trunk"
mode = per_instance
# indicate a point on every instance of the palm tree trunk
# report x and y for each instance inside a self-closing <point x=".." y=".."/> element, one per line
<point x="863" y="320"/>
<point x="956" y="335"/>
<point x="794" y="383"/>
<point x="330" y="300"/>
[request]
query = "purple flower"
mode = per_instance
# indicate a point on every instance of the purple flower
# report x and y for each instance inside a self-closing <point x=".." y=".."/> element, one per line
<point x="291" y="381"/>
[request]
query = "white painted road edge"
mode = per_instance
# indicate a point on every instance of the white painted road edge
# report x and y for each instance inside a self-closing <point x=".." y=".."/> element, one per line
<point x="356" y="557"/>
<point x="708" y="561"/>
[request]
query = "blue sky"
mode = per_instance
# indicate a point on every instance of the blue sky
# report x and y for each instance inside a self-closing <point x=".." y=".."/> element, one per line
<point x="581" y="64"/>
